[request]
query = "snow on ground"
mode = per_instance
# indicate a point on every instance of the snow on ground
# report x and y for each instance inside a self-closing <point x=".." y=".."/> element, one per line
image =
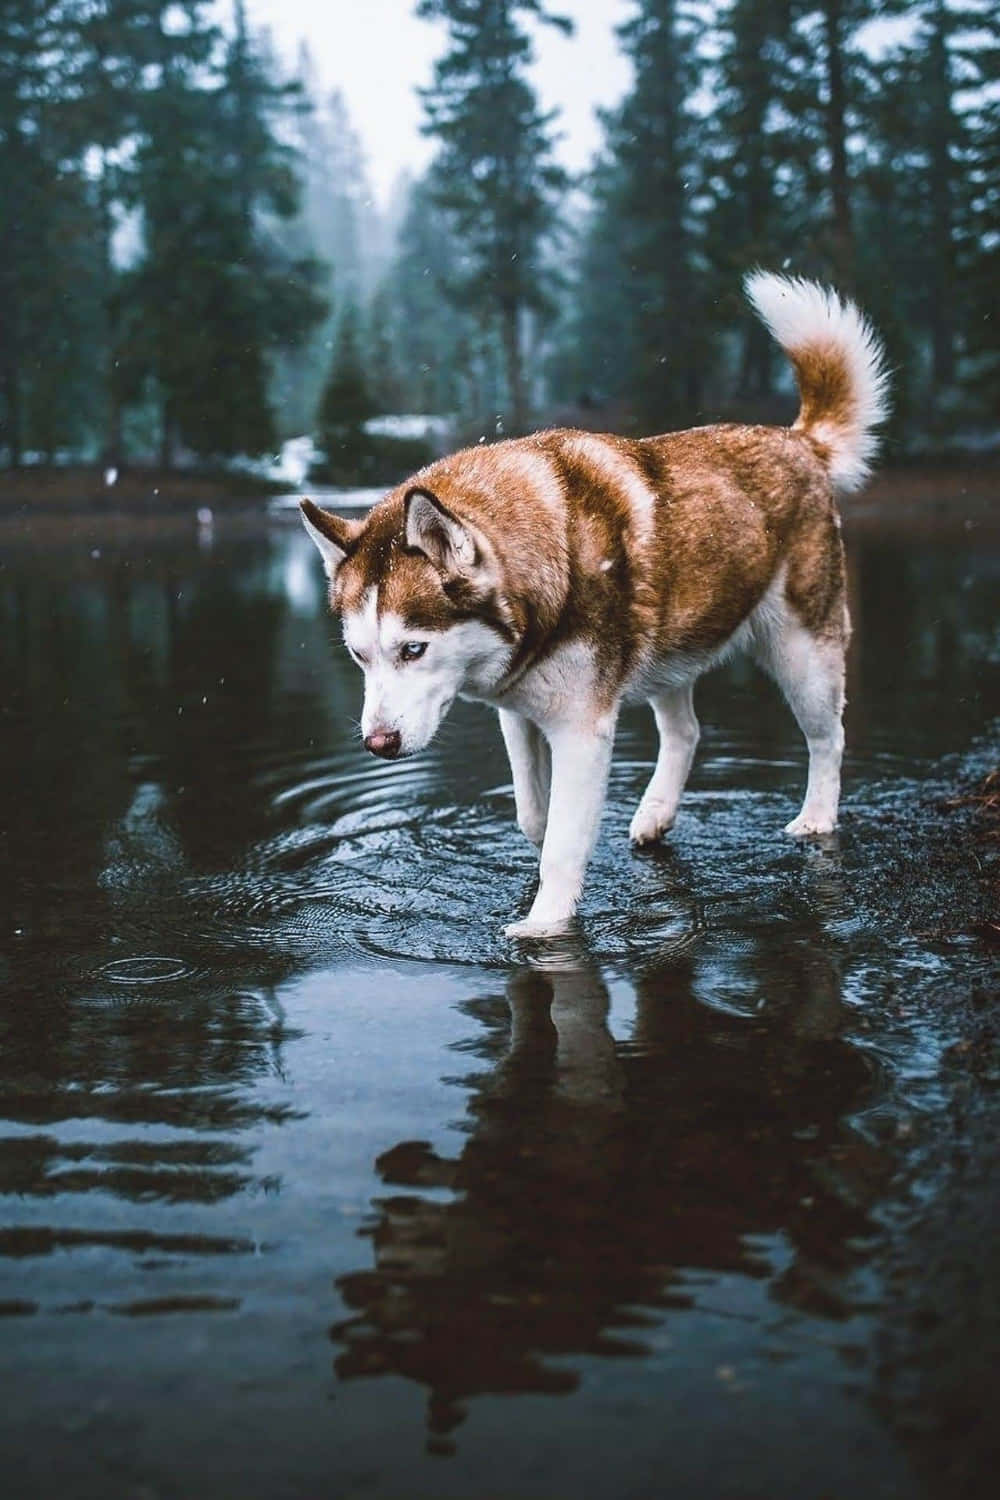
<point x="330" y="499"/>
<point x="409" y="425"/>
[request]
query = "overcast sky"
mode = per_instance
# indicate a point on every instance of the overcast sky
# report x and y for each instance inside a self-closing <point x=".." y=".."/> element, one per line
<point x="377" y="53"/>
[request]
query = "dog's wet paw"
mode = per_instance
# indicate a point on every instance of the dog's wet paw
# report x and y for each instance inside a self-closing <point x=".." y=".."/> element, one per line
<point x="538" y="929"/>
<point x="650" y="823"/>
<point x="808" y="825"/>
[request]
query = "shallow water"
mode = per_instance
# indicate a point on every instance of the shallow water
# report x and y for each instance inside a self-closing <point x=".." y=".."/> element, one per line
<point x="310" y="1178"/>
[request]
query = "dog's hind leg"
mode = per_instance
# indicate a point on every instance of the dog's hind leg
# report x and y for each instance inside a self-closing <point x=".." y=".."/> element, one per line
<point x="678" y="727"/>
<point x="809" y="669"/>
<point x="530" y="764"/>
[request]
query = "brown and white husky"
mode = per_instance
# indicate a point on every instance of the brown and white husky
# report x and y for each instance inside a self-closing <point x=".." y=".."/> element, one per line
<point x="558" y="575"/>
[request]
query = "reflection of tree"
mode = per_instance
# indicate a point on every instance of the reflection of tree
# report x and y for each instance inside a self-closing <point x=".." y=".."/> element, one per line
<point x="140" y="686"/>
<point x="597" y="1175"/>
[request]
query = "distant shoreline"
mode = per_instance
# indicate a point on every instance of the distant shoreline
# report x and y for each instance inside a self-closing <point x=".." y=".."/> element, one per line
<point x="916" y="493"/>
<point x="85" y="488"/>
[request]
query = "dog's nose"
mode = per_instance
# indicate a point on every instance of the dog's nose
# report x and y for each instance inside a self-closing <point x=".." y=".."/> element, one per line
<point x="384" y="742"/>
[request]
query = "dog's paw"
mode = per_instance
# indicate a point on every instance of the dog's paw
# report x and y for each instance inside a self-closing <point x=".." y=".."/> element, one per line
<point x="651" y="821"/>
<point x="545" y="928"/>
<point x="810" y="825"/>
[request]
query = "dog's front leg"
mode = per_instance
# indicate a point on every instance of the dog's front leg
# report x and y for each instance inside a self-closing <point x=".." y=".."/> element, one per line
<point x="528" y="754"/>
<point x="581" y="758"/>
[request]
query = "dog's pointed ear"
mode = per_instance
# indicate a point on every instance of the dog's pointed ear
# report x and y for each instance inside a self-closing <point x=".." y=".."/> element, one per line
<point x="335" y="536"/>
<point x="432" y="529"/>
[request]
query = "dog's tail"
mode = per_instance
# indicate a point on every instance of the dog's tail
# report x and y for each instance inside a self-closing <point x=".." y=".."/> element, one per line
<point x="839" y="364"/>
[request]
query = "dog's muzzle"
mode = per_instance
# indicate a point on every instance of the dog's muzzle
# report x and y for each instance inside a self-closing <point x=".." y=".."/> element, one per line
<point x="384" y="742"/>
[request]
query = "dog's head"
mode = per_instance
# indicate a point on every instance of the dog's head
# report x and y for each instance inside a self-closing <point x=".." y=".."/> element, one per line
<point x="419" y="592"/>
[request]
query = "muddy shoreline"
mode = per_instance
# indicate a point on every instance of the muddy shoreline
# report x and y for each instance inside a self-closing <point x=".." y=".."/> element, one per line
<point x="938" y="878"/>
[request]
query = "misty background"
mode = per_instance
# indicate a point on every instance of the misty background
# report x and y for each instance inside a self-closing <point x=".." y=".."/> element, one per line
<point x="200" y="259"/>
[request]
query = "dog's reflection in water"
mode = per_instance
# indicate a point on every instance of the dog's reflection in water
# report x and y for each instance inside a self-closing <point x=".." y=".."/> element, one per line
<point x="598" y="1174"/>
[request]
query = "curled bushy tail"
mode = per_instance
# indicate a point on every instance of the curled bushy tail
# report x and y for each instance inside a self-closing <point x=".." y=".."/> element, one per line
<point x="839" y="364"/>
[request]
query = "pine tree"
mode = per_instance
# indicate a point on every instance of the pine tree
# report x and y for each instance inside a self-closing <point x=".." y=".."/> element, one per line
<point x="346" y="405"/>
<point x="337" y="220"/>
<point x="757" y="213"/>
<point x="213" y="296"/>
<point x="382" y="351"/>
<point x="440" y="346"/>
<point x="47" y="226"/>
<point x="494" y="174"/>
<point x="982" y="253"/>
<point x="595" y="363"/>
<point x="653" y="138"/>
<point x="110" y="42"/>
<point x="822" y="96"/>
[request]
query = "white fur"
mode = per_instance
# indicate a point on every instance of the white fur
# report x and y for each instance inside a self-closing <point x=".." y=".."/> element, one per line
<point x="331" y="554"/>
<point x="679" y="734"/>
<point x="562" y="743"/>
<point x="810" y="672"/>
<point x="803" y="315"/>
<point x="531" y="769"/>
<point x="414" y="696"/>
<point x="581" y="760"/>
<point x="618" y="474"/>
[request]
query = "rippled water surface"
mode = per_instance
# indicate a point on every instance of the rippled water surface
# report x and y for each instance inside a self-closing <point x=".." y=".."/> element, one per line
<point x="312" y="1183"/>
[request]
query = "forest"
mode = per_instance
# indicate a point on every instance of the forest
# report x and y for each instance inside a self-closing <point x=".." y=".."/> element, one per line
<point x="193" y="266"/>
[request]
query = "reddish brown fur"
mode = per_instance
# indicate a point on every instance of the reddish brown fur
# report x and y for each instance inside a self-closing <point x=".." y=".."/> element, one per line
<point x="826" y="389"/>
<point x="731" y="504"/>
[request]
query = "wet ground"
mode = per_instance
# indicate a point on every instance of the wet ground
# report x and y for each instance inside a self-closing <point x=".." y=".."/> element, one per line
<point x="312" y="1183"/>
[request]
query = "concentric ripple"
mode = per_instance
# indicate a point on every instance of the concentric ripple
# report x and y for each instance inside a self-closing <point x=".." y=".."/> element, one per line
<point x="149" y="969"/>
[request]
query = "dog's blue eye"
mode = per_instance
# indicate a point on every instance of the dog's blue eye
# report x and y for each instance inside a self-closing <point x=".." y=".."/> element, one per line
<point x="413" y="650"/>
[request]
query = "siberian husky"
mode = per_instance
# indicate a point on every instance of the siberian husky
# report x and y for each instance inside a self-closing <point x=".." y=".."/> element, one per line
<point x="559" y="575"/>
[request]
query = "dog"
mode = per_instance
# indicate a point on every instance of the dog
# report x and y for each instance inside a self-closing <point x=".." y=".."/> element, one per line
<point x="559" y="575"/>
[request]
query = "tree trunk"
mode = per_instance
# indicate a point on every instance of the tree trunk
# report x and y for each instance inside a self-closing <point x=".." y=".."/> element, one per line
<point x="836" y="136"/>
<point x="167" y="436"/>
<point x="755" y="365"/>
<point x="940" y="280"/>
<point x="511" y="334"/>
<point x="113" y="453"/>
<point x="12" y="400"/>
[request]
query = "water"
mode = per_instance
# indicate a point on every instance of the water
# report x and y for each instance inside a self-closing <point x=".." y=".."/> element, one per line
<point x="313" y="1183"/>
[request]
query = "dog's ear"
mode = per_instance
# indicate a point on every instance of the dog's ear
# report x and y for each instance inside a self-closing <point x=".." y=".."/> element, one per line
<point x="432" y="529"/>
<point x="335" y="536"/>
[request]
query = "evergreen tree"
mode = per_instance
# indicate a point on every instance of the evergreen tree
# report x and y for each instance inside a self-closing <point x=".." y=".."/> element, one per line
<point x="595" y="363"/>
<point x="981" y="259"/>
<point x="337" y="219"/>
<point x="214" y="298"/>
<point x="47" y="282"/>
<point x="382" y="351"/>
<point x="494" y="174"/>
<point x="757" y="214"/>
<point x="653" y="138"/>
<point x="441" y="348"/>
<point x="346" y="405"/>
<point x="110" y="43"/>
<point x="822" y="96"/>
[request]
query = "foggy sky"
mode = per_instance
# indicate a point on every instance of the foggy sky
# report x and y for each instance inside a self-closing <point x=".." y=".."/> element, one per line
<point x="377" y="52"/>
